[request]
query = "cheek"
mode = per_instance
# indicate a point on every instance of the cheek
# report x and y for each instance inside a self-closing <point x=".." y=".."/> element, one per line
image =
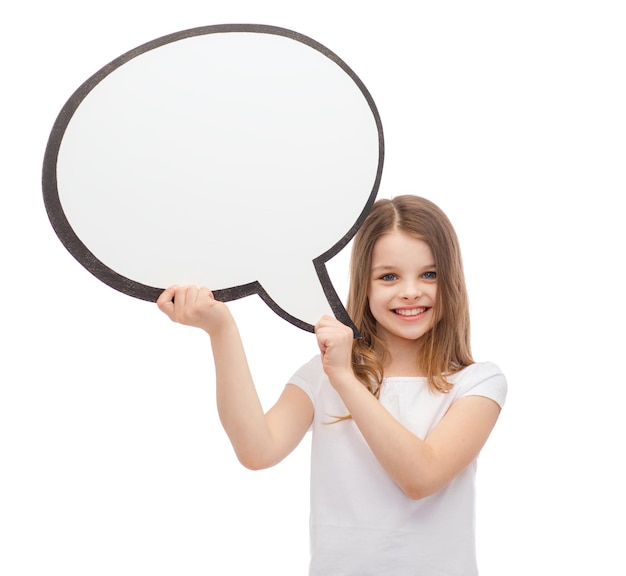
<point x="371" y="304"/>
<point x="374" y="304"/>
<point x="437" y="308"/>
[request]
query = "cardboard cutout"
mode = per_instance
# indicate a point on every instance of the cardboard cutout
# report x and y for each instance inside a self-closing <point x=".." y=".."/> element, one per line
<point x="238" y="157"/>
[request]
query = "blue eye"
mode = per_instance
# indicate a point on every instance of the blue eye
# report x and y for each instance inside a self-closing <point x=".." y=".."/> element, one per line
<point x="430" y="275"/>
<point x="388" y="277"/>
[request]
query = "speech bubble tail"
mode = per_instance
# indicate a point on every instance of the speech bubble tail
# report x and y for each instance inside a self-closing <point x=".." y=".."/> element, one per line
<point x="333" y="299"/>
<point x="315" y="302"/>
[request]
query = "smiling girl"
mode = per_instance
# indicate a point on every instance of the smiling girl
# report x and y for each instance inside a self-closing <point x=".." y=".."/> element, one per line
<point x="398" y="416"/>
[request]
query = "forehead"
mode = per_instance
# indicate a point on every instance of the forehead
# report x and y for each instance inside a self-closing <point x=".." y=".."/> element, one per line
<point x="398" y="247"/>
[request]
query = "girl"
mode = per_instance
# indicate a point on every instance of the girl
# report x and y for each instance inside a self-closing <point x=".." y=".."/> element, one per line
<point x="398" y="416"/>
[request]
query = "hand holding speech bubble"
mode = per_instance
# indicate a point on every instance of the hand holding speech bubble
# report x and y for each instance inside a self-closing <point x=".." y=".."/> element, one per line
<point x="238" y="157"/>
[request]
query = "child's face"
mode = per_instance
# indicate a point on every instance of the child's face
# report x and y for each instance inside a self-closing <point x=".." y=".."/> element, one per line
<point x="403" y="286"/>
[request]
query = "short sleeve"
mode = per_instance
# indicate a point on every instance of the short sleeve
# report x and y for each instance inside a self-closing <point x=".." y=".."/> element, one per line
<point x="483" y="379"/>
<point x="308" y="378"/>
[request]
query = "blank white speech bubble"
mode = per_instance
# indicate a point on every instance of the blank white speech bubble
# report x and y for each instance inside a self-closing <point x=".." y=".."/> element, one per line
<point x="238" y="157"/>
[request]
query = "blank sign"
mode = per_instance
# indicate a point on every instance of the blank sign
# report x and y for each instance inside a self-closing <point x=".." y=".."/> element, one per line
<point x="238" y="157"/>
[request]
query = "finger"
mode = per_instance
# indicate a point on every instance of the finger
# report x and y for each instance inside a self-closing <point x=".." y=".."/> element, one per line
<point x="203" y="295"/>
<point x="321" y="344"/>
<point x="164" y="301"/>
<point x="191" y="295"/>
<point x="323" y="322"/>
<point x="180" y="297"/>
<point x="167" y="294"/>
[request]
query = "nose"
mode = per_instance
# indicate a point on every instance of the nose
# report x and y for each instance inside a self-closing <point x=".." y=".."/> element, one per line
<point x="411" y="290"/>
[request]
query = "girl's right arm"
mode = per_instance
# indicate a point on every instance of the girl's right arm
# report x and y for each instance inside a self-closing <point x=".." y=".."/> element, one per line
<point x="260" y="440"/>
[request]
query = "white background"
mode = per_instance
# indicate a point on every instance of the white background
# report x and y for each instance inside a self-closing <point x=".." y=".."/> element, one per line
<point x="510" y="116"/>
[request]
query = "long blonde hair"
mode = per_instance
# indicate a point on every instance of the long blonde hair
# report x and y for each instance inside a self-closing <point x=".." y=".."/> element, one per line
<point x="446" y="346"/>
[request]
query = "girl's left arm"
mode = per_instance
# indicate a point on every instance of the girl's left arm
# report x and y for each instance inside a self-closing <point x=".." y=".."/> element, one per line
<point x="419" y="467"/>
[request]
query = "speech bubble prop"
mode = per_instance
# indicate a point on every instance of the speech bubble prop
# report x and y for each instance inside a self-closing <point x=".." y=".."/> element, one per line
<point x="239" y="157"/>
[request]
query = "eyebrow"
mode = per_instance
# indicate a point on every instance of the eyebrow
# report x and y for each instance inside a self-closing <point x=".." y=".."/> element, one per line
<point x="384" y="267"/>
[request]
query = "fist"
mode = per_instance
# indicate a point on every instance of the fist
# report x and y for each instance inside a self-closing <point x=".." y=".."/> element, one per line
<point x="335" y="343"/>
<point x="193" y="306"/>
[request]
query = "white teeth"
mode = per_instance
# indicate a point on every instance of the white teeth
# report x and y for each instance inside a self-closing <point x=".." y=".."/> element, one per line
<point x="411" y="312"/>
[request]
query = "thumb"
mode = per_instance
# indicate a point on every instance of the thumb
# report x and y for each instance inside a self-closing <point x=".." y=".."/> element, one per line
<point x="165" y="301"/>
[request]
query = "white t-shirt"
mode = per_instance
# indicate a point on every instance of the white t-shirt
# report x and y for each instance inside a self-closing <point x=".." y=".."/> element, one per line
<point x="361" y="522"/>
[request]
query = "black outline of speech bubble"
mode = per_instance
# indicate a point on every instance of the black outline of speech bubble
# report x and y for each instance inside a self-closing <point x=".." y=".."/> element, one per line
<point x="81" y="253"/>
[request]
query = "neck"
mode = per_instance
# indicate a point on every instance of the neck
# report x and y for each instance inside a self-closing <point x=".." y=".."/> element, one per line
<point x="403" y="359"/>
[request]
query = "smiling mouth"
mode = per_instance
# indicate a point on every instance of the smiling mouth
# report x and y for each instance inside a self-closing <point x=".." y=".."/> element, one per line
<point x="410" y="312"/>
